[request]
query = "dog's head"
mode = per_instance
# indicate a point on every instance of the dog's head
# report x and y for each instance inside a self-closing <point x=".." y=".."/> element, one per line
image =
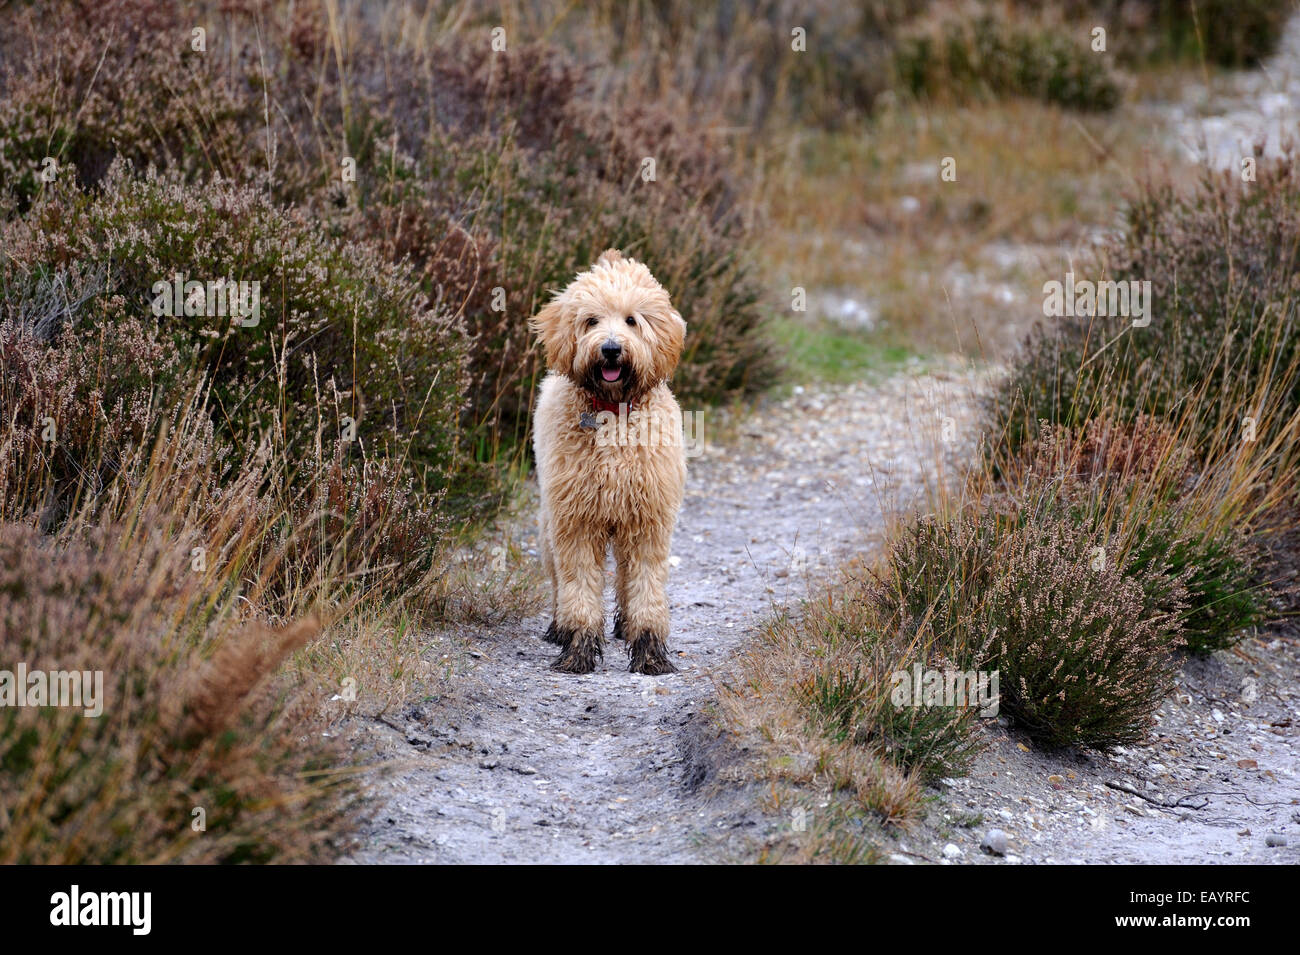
<point x="614" y="330"/>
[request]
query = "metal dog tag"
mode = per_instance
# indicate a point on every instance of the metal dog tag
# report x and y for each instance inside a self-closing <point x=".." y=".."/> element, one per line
<point x="588" y="421"/>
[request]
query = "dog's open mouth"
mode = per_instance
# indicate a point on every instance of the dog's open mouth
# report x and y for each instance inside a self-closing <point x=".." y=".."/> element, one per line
<point x="616" y="379"/>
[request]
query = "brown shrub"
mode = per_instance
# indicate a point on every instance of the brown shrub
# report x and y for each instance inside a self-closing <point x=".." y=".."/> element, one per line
<point x="177" y="734"/>
<point x="1116" y="452"/>
<point x="89" y="82"/>
<point x="1083" y="652"/>
<point x="479" y="170"/>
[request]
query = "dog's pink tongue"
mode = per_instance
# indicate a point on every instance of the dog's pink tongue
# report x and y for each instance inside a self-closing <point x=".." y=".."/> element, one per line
<point x="611" y="374"/>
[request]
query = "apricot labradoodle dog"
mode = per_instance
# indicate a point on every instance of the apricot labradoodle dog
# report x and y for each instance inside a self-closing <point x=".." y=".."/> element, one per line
<point x="610" y="461"/>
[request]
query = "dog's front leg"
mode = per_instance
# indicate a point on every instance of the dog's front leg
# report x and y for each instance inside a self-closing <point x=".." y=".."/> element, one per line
<point x="579" y="559"/>
<point x="644" y="599"/>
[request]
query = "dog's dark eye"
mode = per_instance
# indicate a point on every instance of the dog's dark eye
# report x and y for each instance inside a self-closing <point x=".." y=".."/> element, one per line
<point x="591" y="322"/>
<point x="631" y="320"/>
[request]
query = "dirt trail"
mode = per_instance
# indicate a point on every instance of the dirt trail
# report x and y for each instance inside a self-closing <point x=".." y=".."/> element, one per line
<point x="1221" y="125"/>
<point x="527" y="765"/>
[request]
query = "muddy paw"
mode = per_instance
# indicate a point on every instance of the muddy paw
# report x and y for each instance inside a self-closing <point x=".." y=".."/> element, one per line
<point x="620" y="628"/>
<point x="580" y="653"/>
<point x="647" y="654"/>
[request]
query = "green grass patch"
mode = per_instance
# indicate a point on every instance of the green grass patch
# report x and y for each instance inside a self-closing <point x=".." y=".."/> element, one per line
<point x="819" y="350"/>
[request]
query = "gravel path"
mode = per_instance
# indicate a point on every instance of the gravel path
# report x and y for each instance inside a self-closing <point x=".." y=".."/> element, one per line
<point x="526" y="765"/>
<point x="1223" y="124"/>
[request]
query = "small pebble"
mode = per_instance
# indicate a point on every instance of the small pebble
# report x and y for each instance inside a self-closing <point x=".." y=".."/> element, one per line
<point x="994" y="842"/>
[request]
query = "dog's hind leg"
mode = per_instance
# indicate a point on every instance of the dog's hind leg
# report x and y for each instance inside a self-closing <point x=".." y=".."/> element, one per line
<point x="645" y="608"/>
<point x="579" y="556"/>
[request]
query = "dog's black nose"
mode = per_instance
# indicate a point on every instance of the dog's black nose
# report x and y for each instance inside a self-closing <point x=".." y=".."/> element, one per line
<point x="611" y="350"/>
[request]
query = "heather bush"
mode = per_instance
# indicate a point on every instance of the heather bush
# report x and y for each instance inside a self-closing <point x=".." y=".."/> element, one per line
<point x="1222" y="340"/>
<point x="86" y="83"/>
<point x="847" y="66"/>
<point x="1232" y="33"/>
<point x="1133" y="488"/>
<point x="1108" y="509"/>
<point x="90" y="374"/>
<point x="201" y="753"/>
<point x="340" y="333"/>
<point x="77" y="406"/>
<point x="975" y="51"/>
<point x="1218" y="366"/>
<point x="1082" y="654"/>
<point x="1081" y="660"/>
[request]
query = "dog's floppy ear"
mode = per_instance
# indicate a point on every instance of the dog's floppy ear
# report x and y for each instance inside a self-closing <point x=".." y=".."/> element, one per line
<point x="674" y="337"/>
<point x="557" y="337"/>
<point x="609" y="257"/>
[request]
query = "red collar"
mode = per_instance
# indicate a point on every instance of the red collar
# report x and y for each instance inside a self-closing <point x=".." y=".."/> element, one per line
<point x="600" y="404"/>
